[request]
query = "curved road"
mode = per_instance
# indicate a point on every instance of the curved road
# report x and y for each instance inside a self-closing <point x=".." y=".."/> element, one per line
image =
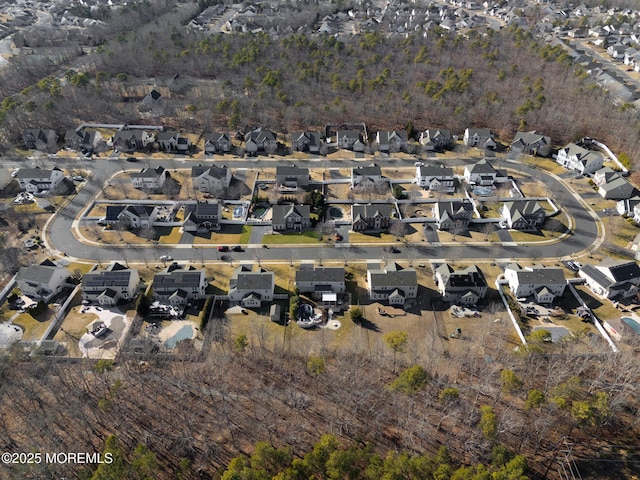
<point x="61" y="238"/>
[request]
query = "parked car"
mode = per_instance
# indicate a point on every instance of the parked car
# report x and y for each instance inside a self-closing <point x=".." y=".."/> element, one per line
<point x="78" y="178"/>
<point x="237" y="248"/>
<point x="132" y="159"/>
<point x="14" y="173"/>
<point x="102" y="221"/>
<point x="419" y="164"/>
<point x="223" y="248"/>
<point x="166" y="258"/>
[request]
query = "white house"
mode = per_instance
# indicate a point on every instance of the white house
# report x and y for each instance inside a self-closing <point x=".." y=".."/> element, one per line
<point x="149" y="178"/>
<point x="216" y="142"/>
<point x="531" y="143"/>
<point x="464" y="286"/>
<point x="391" y="140"/>
<point x="436" y="139"/>
<point x="579" y="159"/>
<point x="479" y="137"/>
<point x="439" y="179"/>
<point x="211" y="179"/>
<point x="483" y="173"/>
<point x="523" y="214"/>
<point x="366" y="176"/>
<point x="110" y="286"/>
<point x="42" y="282"/>
<point x="35" y="180"/>
<point x="612" y="279"/>
<point x="173" y="142"/>
<point x="392" y="284"/>
<point x="544" y="284"/>
<point x="350" y="140"/>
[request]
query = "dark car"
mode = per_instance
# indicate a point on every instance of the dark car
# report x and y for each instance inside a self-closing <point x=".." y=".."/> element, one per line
<point x="132" y="159"/>
<point x="237" y="248"/>
<point x="223" y="248"/>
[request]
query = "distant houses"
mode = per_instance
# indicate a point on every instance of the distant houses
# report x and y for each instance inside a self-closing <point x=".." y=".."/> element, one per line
<point x="350" y="140"/>
<point x="391" y="140"/>
<point x="216" y="142"/>
<point x="44" y="140"/>
<point x="531" y="143"/>
<point x="306" y="142"/>
<point x="436" y="139"/>
<point x="129" y="141"/>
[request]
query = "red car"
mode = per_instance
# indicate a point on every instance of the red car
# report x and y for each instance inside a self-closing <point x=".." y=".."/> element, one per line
<point x="223" y="248"/>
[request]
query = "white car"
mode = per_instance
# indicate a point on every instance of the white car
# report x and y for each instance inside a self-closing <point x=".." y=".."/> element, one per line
<point x="166" y="258"/>
<point x="14" y="173"/>
<point x="419" y="164"/>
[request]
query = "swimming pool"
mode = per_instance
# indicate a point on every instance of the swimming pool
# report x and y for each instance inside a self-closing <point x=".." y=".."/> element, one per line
<point x="483" y="191"/>
<point x="238" y="212"/>
<point x="184" y="333"/>
<point x="632" y="324"/>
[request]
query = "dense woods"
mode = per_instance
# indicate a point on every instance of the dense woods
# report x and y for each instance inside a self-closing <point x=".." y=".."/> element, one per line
<point x="188" y="418"/>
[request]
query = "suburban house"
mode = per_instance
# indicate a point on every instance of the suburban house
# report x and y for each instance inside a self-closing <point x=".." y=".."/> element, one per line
<point x="544" y="284"/>
<point x="463" y="286"/>
<point x="108" y="287"/>
<point x="484" y="174"/>
<point x="628" y="207"/>
<point x="391" y="140"/>
<point x="579" y="159"/>
<point x="39" y="139"/>
<point x="132" y="140"/>
<point x="437" y="179"/>
<point x="392" y="284"/>
<point x="291" y="217"/>
<point x="523" y="214"/>
<point x="83" y="140"/>
<point x="215" y="142"/>
<point x="366" y="176"/>
<point x="211" y="179"/>
<point x="604" y="175"/>
<point x="453" y="215"/>
<point x="612" y="279"/>
<point x="350" y="140"/>
<point x="306" y="141"/>
<point x="617" y="188"/>
<point x="179" y="285"/>
<point x="531" y="143"/>
<point x="35" y="180"/>
<point x="251" y="288"/>
<point x="42" y="282"/>
<point x="131" y="216"/>
<point x="433" y="139"/>
<point x="479" y="137"/>
<point x="260" y="139"/>
<point x="292" y="176"/>
<point x="149" y="179"/>
<point x="372" y="216"/>
<point x="322" y="283"/>
<point x="201" y="216"/>
<point x="173" y="142"/>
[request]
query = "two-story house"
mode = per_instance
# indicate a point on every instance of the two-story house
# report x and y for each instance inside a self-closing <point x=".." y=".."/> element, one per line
<point x="436" y="139"/>
<point x="306" y="141"/>
<point x="437" y="179"/>
<point x="617" y="188"/>
<point x="179" y="285"/>
<point x="42" y="282"/>
<point x="131" y="216"/>
<point x="604" y="175"/>
<point x="35" y="180"/>
<point x="463" y="286"/>
<point x="292" y="176"/>
<point x="483" y="173"/>
<point x="366" y="176"/>
<point x="213" y="179"/>
<point x="291" y="217"/>
<point x="612" y="278"/>
<point x="479" y="137"/>
<point x="376" y="216"/>
<point x="149" y="179"/>
<point x="320" y="281"/>
<point x="260" y="139"/>
<point x="216" y="142"/>
<point x="392" y="283"/>
<point x="110" y="286"/>
<point x="453" y="215"/>
<point x="173" y="142"/>
<point x="251" y="288"/>
<point x="391" y="140"/>
<point x="201" y="216"/>
<point x="350" y="140"/>
<point x="132" y="140"/>
<point x="579" y="159"/>
<point x="544" y="284"/>
<point x="39" y="139"/>
<point x="82" y="140"/>
<point x="523" y="214"/>
<point x="531" y="143"/>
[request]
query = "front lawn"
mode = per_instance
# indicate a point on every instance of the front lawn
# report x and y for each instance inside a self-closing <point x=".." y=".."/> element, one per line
<point x="307" y="236"/>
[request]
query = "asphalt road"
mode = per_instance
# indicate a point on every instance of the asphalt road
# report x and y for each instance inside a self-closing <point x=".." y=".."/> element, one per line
<point x="61" y="239"/>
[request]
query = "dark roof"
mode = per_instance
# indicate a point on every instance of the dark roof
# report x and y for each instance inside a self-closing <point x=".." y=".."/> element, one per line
<point x="432" y="171"/>
<point x="370" y="210"/>
<point x="105" y="278"/>
<point x="465" y="277"/>
<point x="212" y="171"/>
<point x="177" y="279"/>
<point x="320" y="274"/>
<point x="281" y="212"/>
<point x="393" y="276"/>
<point x="291" y="170"/>
<point x="368" y="170"/>
<point x="113" y="211"/>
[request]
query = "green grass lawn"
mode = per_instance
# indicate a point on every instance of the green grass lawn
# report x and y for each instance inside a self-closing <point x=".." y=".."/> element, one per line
<point x="171" y="236"/>
<point x="307" y="236"/>
<point x="33" y="329"/>
<point x="246" y="235"/>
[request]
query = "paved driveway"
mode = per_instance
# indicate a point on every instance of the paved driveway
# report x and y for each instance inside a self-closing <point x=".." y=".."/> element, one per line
<point x="504" y="235"/>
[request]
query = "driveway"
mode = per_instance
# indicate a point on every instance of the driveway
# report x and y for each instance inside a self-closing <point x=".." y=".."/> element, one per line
<point x="257" y="232"/>
<point x="504" y="235"/>
<point x="431" y="233"/>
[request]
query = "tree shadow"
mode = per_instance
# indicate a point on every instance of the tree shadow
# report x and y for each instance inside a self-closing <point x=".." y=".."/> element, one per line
<point x="368" y="325"/>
